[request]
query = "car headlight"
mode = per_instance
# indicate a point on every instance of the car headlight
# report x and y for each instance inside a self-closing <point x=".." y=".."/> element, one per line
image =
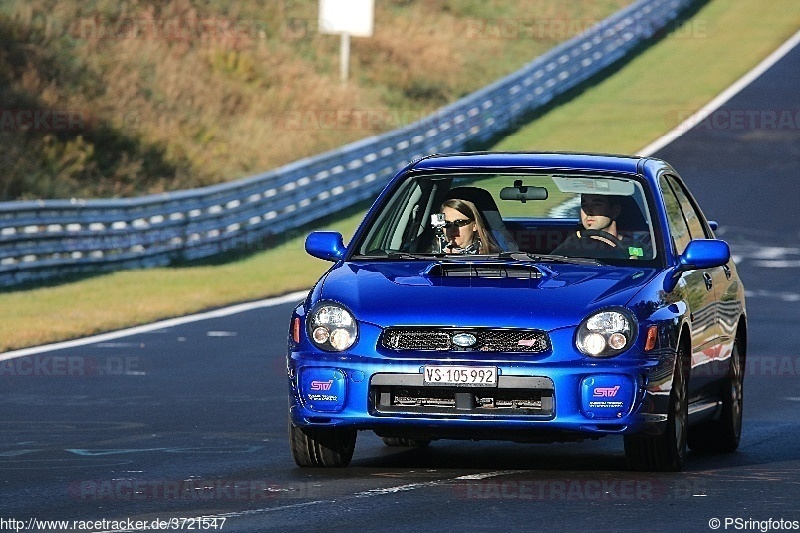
<point x="331" y="327"/>
<point x="605" y="333"/>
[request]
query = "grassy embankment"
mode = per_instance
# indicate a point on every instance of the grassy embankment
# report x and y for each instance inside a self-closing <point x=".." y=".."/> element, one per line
<point x="179" y="94"/>
<point x="620" y="114"/>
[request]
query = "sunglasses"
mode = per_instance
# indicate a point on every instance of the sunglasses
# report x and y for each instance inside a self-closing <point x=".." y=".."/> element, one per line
<point x="460" y="223"/>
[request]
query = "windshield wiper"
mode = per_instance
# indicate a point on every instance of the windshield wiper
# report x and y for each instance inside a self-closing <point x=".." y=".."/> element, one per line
<point x="401" y="256"/>
<point x="516" y="256"/>
<point x="407" y="255"/>
<point x="539" y="258"/>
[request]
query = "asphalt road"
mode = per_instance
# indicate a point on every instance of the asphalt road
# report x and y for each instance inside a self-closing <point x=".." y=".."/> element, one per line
<point x="189" y="420"/>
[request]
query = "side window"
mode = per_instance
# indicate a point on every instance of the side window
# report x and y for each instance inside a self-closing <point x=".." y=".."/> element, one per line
<point x="387" y="232"/>
<point x="677" y="224"/>
<point x="693" y="218"/>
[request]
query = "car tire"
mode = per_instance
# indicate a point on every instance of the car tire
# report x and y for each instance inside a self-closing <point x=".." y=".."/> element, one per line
<point x="723" y="435"/>
<point x="665" y="453"/>
<point x="322" y="447"/>
<point x="401" y="442"/>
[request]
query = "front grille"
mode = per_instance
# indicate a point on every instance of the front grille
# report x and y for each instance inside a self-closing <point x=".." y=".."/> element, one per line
<point x="487" y="340"/>
<point x="416" y="340"/>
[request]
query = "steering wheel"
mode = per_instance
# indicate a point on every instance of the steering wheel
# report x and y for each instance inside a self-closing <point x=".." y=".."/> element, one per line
<point x="609" y="241"/>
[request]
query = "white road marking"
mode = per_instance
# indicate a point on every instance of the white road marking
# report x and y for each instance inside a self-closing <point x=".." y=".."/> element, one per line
<point x="119" y="345"/>
<point x="147" y="328"/>
<point x="778" y="264"/>
<point x="221" y="333"/>
<point x="487" y="475"/>
<point x="413" y="486"/>
<point x="770" y="253"/>
<point x="766" y="256"/>
<point x="773" y="295"/>
<point x="399" y="488"/>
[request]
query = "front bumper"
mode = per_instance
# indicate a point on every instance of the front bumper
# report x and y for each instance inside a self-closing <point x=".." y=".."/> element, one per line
<point x="533" y="400"/>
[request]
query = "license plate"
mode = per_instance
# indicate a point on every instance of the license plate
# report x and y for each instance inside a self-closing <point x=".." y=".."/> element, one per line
<point x="460" y="376"/>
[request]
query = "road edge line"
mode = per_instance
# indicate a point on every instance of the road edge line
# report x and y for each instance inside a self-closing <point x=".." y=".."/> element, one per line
<point x="161" y="324"/>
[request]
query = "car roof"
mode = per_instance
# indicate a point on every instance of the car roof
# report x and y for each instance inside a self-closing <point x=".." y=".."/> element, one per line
<point x="530" y="160"/>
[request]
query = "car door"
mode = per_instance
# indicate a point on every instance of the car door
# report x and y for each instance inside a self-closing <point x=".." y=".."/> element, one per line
<point x="726" y="321"/>
<point x="698" y="291"/>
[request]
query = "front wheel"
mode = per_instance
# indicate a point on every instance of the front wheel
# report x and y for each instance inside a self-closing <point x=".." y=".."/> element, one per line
<point x="723" y="435"/>
<point x="665" y="453"/>
<point x="322" y="447"/>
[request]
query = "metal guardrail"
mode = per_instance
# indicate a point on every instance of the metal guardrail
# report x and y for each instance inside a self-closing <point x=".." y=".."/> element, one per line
<point x="44" y="239"/>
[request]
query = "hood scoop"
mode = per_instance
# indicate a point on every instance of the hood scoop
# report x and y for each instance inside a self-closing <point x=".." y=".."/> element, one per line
<point x="484" y="271"/>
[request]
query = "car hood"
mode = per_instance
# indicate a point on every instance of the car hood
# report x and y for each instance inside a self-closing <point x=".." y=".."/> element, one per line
<point x="418" y="293"/>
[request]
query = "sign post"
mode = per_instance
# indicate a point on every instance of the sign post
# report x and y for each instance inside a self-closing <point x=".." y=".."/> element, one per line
<point x="346" y="18"/>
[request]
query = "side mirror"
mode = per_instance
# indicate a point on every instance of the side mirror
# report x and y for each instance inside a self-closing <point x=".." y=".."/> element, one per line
<point x="327" y="245"/>
<point x="704" y="253"/>
<point x="713" y="225"/>
<point x="699" y="254"/>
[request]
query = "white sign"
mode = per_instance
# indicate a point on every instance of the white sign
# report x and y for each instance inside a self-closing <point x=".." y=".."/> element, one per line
<point x="353" y="17"/>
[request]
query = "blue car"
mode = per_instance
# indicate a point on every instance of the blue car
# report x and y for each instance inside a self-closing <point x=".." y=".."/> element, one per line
<point x="529" y="297"/>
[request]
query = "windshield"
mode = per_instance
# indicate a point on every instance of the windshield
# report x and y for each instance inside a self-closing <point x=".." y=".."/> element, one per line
<point x="605" y="218"/>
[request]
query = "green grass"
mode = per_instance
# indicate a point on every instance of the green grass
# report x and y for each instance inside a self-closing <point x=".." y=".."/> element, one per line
<point x="622" y="113"/>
